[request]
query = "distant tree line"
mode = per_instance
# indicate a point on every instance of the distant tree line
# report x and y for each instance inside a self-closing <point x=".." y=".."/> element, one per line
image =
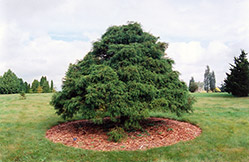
<point x="10" y="84"/>
<point x="236" y="83"/>
<point x="209" y="83"/>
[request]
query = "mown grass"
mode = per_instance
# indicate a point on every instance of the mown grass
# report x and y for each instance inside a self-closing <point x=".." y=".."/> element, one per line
<point x="223" y="119"/>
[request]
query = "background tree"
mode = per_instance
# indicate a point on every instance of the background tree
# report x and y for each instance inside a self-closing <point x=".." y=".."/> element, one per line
<point x="124" y="77"/>
<point x="212" y="81"/>
<point x="22" y="85"/>
<point x="237" y="82"/>
<point x="44" y="84"/>
<point x="191" y="81"/>
<point x="207" y="79"/>
<point x="192" y="85"/>
<point x="39" y="89"/>
<point x="35" y="85"/>
<point x="9" y="83"/>
<point x="52" y="86"/>
<point x="222" y="87"/>
<point x="27" y="89"/>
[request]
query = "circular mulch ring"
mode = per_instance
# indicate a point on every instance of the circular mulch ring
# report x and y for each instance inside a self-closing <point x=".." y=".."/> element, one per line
<point x="157" y="132"/>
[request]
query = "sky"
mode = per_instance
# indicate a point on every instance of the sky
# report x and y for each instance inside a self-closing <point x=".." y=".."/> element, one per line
<point x="41" y="38"/>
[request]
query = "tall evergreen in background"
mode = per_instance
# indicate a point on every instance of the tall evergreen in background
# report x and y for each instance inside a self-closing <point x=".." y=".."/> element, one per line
<point x="191" y="81"/>
<point x="212" y="81"/>
<point x="27" y="87"/>
<point x="9" y="83"/>
<point x="209" y="80"/>
<point x="192" y="85"/>
<point x="52" y="86"/>
<point x="44" y="84"/>
<point x="237" y="82"/>
<point x="35" y="85"/>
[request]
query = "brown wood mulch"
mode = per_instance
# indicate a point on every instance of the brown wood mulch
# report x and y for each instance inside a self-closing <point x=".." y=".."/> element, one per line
<point x="157" y="132"/>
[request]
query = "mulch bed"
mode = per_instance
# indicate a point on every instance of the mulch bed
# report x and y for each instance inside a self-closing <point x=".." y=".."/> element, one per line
<point x="157" y="132"/>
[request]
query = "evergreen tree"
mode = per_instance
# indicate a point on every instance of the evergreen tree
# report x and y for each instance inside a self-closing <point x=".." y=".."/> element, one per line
<point x="237" y="82"/>
<point x="9" y="83"/>
<point x="212" y="81"/>
<point x="44" y="84"/>
<point x="22" y="85"/>
<point x="207" y="79"/>
<point x="124" y="77"/>
<point x="222" y="87"/>
<point x="52" y="86"/>
<point x="27" y="87"/>
<point x="192" y="85"/>
<point x="1" y="85"/>
<point x="191" y="81"/>
<point x="43" y="80"/>
<point x="35" y="85"/>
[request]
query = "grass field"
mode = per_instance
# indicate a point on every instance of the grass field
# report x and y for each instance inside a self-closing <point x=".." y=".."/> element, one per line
<point x="223" y="119"/>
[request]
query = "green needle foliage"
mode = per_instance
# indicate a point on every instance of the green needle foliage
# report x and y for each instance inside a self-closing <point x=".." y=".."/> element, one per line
<point x="237" y="82"/>
<point x="124" y="76"/>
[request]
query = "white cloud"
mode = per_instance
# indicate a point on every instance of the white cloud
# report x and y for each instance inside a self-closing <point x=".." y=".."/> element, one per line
<point x="32" y="58"/>
<point x="191" y="59"/>
<point x="188" y="53"/>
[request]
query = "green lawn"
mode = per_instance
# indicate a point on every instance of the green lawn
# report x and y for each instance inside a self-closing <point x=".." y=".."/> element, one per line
<point x="223" y="119"/>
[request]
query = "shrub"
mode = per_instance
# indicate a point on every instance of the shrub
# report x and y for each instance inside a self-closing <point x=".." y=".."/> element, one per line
<point x="22" y="95"/>
<point x="124" y="77"/>
<point x="116" y="134"/>
<point x="193" y="87"/>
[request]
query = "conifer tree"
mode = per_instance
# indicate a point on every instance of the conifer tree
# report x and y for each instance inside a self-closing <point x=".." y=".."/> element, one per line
<point x="35" y="85"/>
<point x="125" y="76"/>
<point x="52" y="86"/>
<point x="237" y="82"/>
<point x="44" y="84"/>
<point x="207" y="79"/>
<point x="192" y="85"/>
<point x="191" y="81"/>
<point x="9" y="83"/>
<point x="212" y="81"/>
<point x="27" y="87"/>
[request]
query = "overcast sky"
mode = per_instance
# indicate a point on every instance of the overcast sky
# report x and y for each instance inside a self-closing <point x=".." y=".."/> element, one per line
<point x="41" y="37"/>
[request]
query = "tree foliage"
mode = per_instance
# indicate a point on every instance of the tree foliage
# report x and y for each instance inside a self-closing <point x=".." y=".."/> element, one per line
<point x="206" y="79"/>
<point x="237" y="82"/>
<point x="209" y="80"/>
<point x="212" y="81"/>
<point x="44" y="84"/>
<point x="39" y="89"/>
<point x="10" y="83"/>
<point x="124" y="77"/>
<point x="35" y="85"/>
<point x="52" y="86"/>
<point x="193" y="86"/>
